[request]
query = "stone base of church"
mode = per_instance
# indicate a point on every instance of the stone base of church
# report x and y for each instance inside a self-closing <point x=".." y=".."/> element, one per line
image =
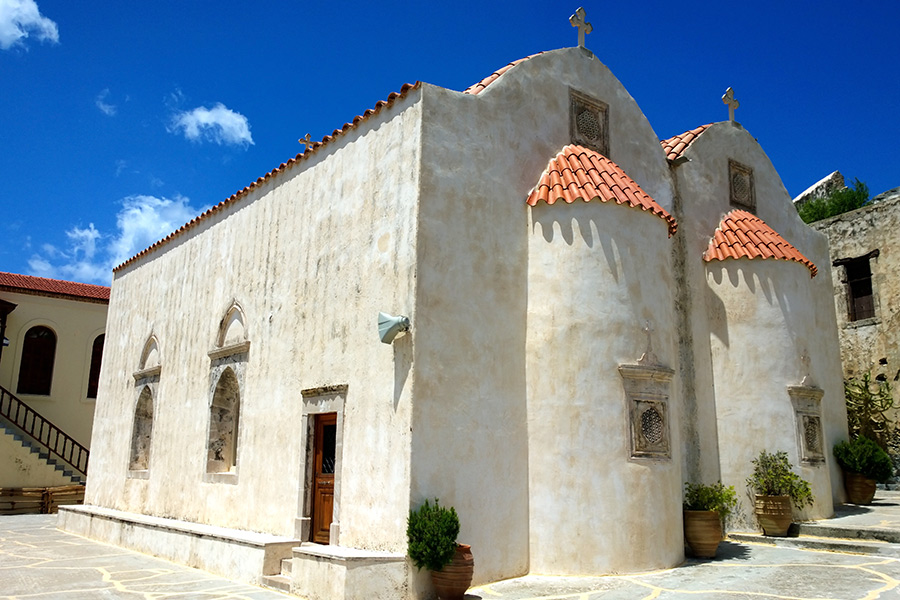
<point x="337" y="573"/>
<point x="238" y="555"/>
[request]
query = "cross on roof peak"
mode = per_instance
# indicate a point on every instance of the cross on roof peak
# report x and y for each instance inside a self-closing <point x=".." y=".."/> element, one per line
<point x="306" y="141"/>
<point x="728" y="99"/>
<point x="577" y="20"/>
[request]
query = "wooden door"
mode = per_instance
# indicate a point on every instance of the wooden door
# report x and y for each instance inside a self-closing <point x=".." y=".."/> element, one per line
<point x="324" y="439"/>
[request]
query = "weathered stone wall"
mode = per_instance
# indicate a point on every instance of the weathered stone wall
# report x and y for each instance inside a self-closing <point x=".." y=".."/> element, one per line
<point x="311" y="256"/>
<point x="869" y="344"/>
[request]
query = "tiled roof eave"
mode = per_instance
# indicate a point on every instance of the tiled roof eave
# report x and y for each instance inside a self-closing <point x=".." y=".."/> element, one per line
<point x="813" y="270"/>
<point x="577" y="173"/>
<point x="675" y="146"/>
<point x="48" y="294"/>
<point x="283" y="167"/>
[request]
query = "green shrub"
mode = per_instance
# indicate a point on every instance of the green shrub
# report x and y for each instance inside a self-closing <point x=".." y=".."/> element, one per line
<point x="835" y="203"/>
<point x="717" y="497"/>
<point x="773" y="476"/>
<point x="865" y="457"/>
<point x="431" y="532"/>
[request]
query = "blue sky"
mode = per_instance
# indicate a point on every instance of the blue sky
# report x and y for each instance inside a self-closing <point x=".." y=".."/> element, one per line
<point x="120" y="121"/>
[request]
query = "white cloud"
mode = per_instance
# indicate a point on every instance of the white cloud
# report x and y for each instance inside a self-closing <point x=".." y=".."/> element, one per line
<point x="218" y="124"/>
<point x="21" y="18"/>
<point x="90" y="256"/>
<point x="107" y="109"/>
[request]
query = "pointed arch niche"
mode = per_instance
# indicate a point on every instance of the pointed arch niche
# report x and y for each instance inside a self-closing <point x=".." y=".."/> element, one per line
<point x="228" y="361"/>
<point x="146" y="382"/>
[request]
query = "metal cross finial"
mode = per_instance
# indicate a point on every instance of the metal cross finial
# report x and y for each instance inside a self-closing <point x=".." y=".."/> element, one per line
<point x="728" y="99"/>
<point x="577" y="20"/>
<point x="307" y="141"/>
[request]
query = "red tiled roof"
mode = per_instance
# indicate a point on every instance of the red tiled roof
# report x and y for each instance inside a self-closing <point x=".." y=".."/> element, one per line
<point x="477" y="88"/>
<point x="675" y="146"/>
<point x="307" y="152"/>
<point x="578" y="173"/>
<point x="744" y="235"/>
<point x="27" y="284"/>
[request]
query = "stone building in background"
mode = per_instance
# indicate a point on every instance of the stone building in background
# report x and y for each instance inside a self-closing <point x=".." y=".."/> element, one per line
<point x="865" y="265"/>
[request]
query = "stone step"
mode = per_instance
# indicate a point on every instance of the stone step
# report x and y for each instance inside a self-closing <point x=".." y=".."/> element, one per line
<point x="277" y="582"/>
<point x="286" y="564"/>
<point x="826" y="530"/>
<point x="830" y="544"/>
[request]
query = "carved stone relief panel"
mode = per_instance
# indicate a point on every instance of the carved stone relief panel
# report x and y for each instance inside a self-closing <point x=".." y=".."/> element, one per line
<point x="589" y="122"/>
<point x="647" y="395"/>
<point x="808" y="417"/>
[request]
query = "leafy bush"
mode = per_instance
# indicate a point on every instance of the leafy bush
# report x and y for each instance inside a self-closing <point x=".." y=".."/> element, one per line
<point x="865" y="457"/>
<point x="773" y="476"/>
<point x="431" y="532"/>
<point x="835" y="203"/>
<point x="717" y="497"/>
<point x="867" y="404"/>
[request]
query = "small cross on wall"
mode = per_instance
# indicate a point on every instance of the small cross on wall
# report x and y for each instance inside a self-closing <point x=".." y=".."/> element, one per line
<point x="728" y="99"/>
<point x="577" y="20"/>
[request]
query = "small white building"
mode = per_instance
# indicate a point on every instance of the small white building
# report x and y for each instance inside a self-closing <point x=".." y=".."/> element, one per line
<point x="53" y="334"/>
<point x="597" y="317"/>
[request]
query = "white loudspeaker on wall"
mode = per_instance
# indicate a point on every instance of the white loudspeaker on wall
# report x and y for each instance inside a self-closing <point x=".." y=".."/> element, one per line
<point x="390" y="327"/>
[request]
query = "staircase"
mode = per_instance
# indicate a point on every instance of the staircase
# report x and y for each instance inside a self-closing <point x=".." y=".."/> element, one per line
<point x="873" y="529"/>
<point x="281" y="581"/>
<point x="41" y="437"/>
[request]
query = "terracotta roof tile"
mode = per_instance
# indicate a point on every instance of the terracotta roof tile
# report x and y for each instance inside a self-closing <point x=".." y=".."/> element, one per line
<point x="307" y="152"/>
<point x="744" y="235"/>
<point x="578" y="173"/>
<point x="477" y="88"/>
<point x="28" y="284"/>
<point x="676" y="145"/>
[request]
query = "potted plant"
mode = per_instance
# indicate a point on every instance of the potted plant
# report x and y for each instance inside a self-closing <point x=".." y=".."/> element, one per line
<point x="431" y="533"/>
<point x="776" y="487"/>
<point x="705" y="509"/>
<point x="864" y="463"/>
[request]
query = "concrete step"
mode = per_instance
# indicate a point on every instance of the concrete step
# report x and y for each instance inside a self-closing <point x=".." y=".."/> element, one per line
<point x="830" y="544"/>
<point x="277" y="582"/>
<point x="826" y="530"/>
<point x="286" y="564"/>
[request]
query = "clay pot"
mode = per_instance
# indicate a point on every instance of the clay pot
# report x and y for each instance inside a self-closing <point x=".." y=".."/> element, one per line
<point x="702" y="532"/>
<point x="860" y="489"/>
<point x="774" y="514"/>
<point x="452" y="581"/>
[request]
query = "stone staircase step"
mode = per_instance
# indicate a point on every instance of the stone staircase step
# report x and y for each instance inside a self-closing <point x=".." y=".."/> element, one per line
<point x="277" y="582"/>
<point x="41" y="451"/>
<point x="831" y="544"/>
<point x="825" y="530"/>
<point x="286" y="564"/>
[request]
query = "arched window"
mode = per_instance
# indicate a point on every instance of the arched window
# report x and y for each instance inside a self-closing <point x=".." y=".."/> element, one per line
<point x="142" y="432"/>
<point x="94" y="373"/>
<point x="36" y="368"/>
<point x="223" y="424"/>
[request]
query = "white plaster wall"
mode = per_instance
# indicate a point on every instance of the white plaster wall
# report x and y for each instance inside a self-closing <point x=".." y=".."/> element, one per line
<point x="760" y="304"/>
<point x="481" y="156"/>
<point x="760" y="326"/>
<point x="312" y="256"/>
<point x="76" y="324"/>
<point x="597" y="273"/>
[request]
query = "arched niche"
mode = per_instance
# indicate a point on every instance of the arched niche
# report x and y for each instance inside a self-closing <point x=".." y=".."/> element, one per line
<point x="141" y="432"/>
<point x="150" y="363"/>
<point x="232" y="335"/>
<point x="224" y="414"/>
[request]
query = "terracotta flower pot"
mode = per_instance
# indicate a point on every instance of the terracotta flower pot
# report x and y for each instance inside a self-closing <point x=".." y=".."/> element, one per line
<point x="452" y="581"/>
<point x="703" y="532"/>
<point x="774" y="514"/>
<point x="860" y="489"/>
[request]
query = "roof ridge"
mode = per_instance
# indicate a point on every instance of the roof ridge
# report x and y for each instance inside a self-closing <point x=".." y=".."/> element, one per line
<point x="477" y="88"/>
<point x="57" y="287"/>
<point x="308" y="151"/>
<point x="559" y="181"/>
<point x="727" y="241"/>
<point x="675" y="146"/>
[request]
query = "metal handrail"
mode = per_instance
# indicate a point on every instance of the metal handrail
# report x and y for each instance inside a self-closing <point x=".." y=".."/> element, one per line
<point x="43" y="431"/>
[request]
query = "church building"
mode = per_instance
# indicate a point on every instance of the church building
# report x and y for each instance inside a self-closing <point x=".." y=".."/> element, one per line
<point x="596" y="316"/>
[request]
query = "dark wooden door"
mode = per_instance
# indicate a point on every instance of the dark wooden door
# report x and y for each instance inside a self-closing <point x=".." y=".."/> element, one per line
<point x="324" y="439"/>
